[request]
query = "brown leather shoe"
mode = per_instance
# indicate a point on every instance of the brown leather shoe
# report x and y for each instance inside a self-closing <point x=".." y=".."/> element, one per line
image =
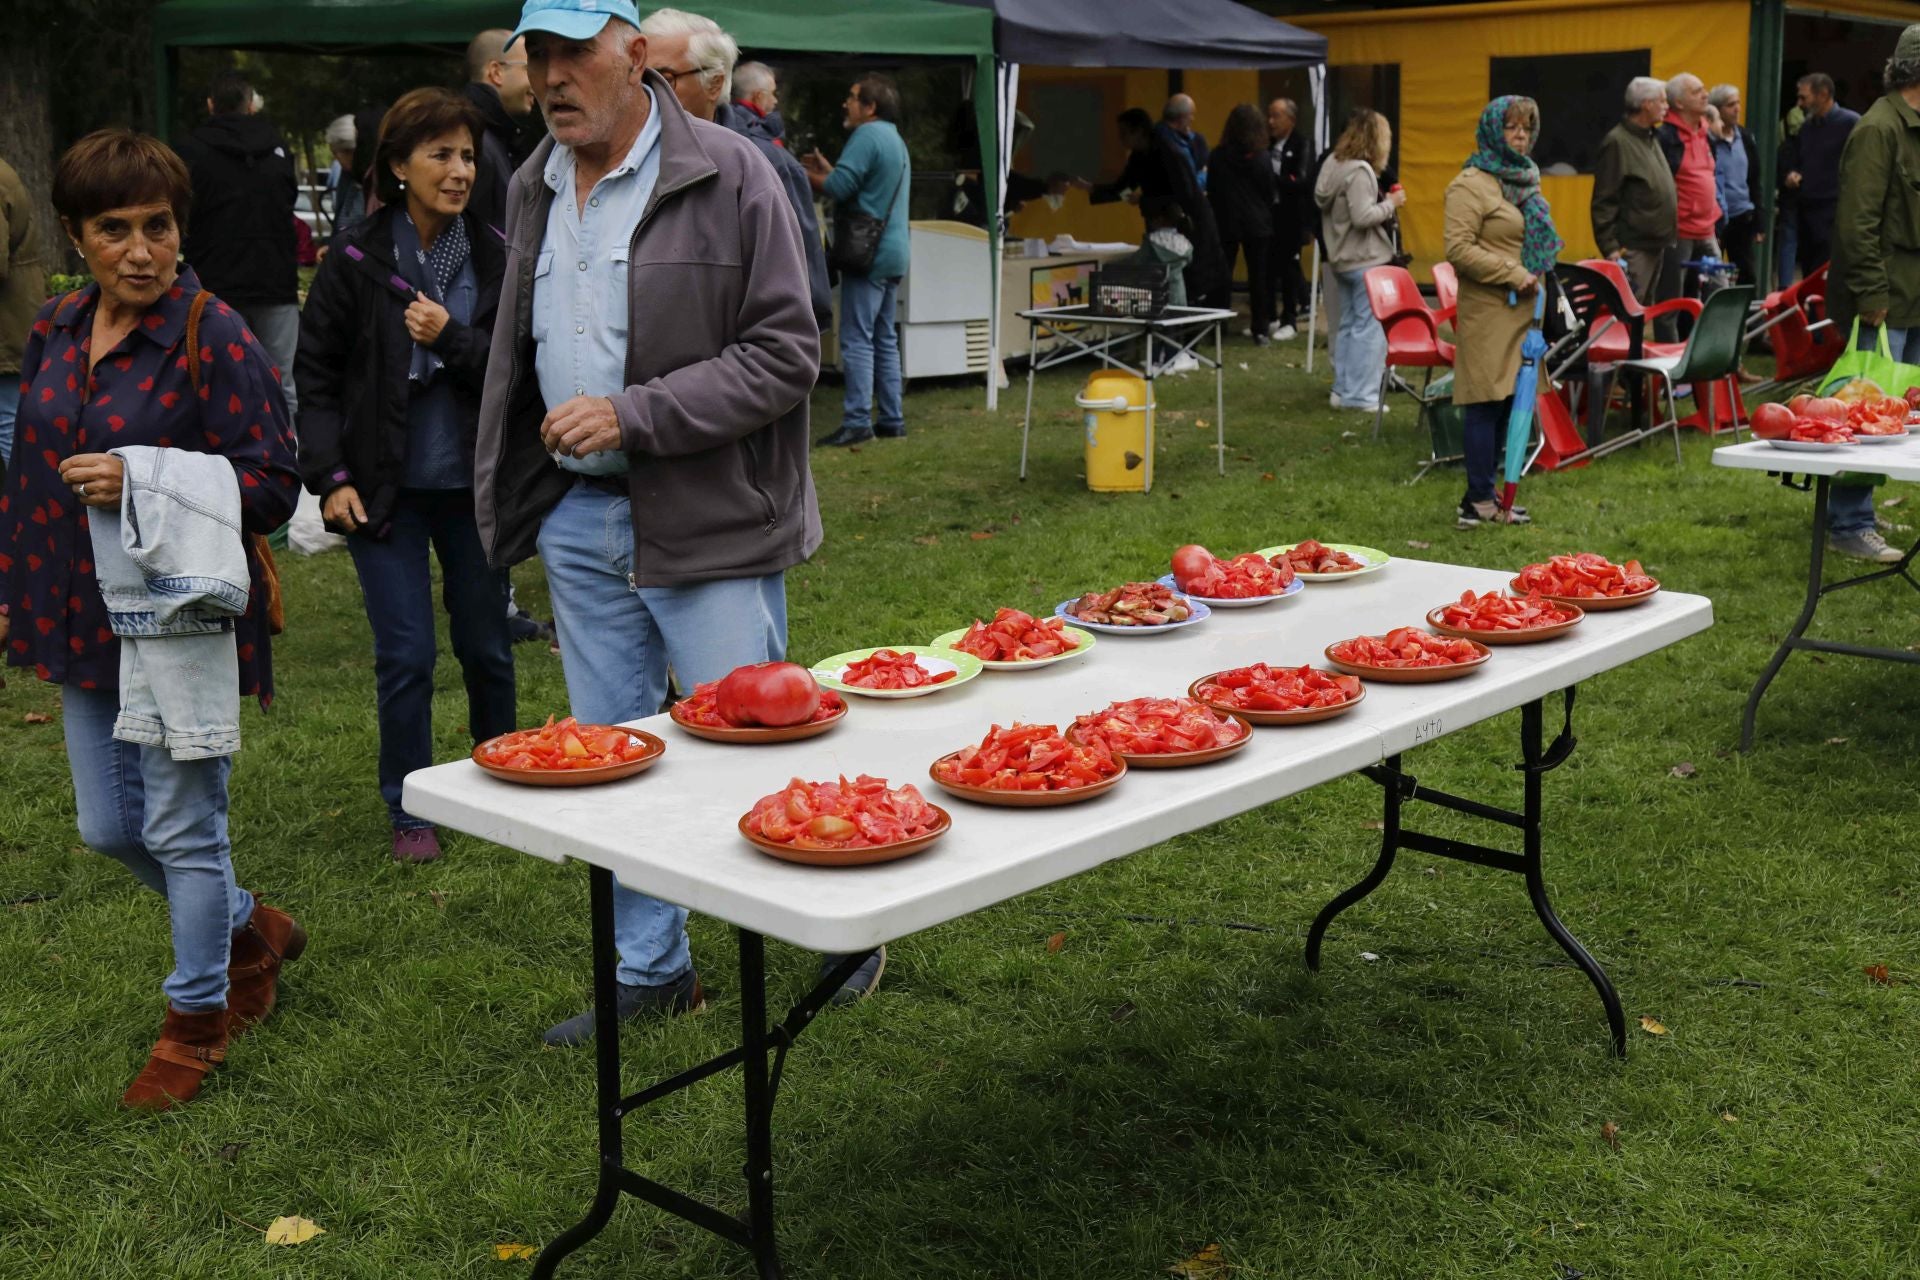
<point x="270" y="939"/>
<point x="191" y="1045"/>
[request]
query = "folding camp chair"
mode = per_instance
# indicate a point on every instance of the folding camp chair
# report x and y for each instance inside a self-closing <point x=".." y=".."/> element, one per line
<point x="1710" y="358"/>
<point x="1794" y="323"/>
<point x="1413" y="338"/>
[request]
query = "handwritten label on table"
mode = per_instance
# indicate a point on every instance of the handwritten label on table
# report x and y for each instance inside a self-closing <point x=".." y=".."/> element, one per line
<point x="1427" y="730"/>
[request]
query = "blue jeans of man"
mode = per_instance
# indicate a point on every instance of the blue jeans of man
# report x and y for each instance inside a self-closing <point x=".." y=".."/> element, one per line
<point x="396" y="582"/>
<point x="870" y="355"/>
<point x="1360" y="357"/>
<point x="9" y="410"/>
<point x="165" y="820"/>
<point x="616" y="643"/>
<point x="1850" y="506"/>
<point x="1484" y="432"/>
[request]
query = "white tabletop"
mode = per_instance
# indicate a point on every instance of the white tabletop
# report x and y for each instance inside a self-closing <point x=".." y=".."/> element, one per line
<point x="671" y="830"/>
<point x="1896" y="461"/>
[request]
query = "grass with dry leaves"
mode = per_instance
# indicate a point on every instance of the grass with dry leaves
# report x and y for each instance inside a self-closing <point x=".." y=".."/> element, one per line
<point x="1124" y="1074"/>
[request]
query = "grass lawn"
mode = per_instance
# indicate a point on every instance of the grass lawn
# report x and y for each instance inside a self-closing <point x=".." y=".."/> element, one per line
<point x="1442" y="1111"/>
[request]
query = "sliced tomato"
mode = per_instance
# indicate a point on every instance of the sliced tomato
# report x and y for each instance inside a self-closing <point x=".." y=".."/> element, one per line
<point x="860" y="814"/>
<point x="1028" y="757"/>
<point x="1404" y="647"/>
<point x="1585" y="576"/>
<point x="563" y="745"/>
<point x="1496" y="611"/>
<point x="1016" y="636"/>
<point x="893" y="669"/>
<point x="1265" y="688"/>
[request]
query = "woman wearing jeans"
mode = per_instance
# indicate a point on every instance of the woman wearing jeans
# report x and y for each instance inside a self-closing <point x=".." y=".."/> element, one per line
<point x="108" y="367"/>
<point x="1355" y="221"/>
<point x="1500" y="239"/>
<point x="393" y="346"/>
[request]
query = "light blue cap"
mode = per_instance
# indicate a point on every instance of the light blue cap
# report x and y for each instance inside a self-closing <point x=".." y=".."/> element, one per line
<point x="572" y="19"/>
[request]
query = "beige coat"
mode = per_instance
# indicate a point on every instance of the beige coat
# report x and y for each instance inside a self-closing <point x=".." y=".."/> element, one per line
<point x="1484" y="233"/>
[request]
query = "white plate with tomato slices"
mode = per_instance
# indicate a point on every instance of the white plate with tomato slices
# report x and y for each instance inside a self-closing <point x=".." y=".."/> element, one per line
<point x="1372" y="560"/>
<point x="1880" y="437"/>
<point x="1083" y="643"/>
<point x="943" y="669"/>
<point x="1810" y="446"/>
<point x="1293" y="588"/>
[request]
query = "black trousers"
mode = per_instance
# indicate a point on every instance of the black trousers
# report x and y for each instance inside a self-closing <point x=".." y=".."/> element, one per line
<point x="1736" y="244"/>
<point x="1289" y="281"/>
<point x="1259" y="278"/>
<point x="1816" y="234"/>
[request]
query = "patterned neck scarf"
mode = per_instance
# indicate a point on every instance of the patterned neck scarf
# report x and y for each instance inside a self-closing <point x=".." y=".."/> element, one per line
<point x="1520" y="182"/>
<point x="441" y="263"/>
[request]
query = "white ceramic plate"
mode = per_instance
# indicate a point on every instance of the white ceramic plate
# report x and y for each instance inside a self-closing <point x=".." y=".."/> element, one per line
<point x="1806" y="446"/>
<point x="1086" y="639"/>
<point x="1294" y="588"/>
<point x="1375" y="559"/>
<point x="1200" y="614"/>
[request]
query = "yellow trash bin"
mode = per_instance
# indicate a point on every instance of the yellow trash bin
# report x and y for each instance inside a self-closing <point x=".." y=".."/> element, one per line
<point x="1119" y="425"/>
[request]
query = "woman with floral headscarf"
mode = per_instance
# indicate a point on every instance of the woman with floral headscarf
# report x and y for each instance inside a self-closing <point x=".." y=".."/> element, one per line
<point x="1501" y="241"/>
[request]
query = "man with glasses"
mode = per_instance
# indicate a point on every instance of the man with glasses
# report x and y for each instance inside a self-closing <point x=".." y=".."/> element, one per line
<point x="497" y="86"/>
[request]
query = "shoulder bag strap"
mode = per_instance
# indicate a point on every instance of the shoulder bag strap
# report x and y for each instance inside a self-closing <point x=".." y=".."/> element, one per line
<point x="194" y="309"/>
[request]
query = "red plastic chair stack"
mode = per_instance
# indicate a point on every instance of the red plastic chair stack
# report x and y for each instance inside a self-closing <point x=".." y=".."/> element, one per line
<point x="1728" y="412"/>
<point x="1446" y="290"/>
<point x="1794" y="320"/>
<point x="1413" y="336"/>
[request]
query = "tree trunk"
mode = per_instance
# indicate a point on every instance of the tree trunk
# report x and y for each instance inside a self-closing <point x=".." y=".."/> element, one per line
<point x="26" y="130"/>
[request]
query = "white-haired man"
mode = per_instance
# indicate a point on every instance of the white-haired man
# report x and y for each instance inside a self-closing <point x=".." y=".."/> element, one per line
<point x="1633" y="196"/>
<point x="1684" y="141"/>
<point x="644" y="422"/>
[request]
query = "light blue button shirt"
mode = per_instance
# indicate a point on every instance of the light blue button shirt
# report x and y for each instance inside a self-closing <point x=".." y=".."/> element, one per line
<point x="580" y="282"/>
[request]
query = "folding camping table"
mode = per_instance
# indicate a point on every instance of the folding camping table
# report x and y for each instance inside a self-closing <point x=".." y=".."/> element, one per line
<point x="671" y="830"/>
<point x="1895" y="461"/>
<point x="1178" y="328"/>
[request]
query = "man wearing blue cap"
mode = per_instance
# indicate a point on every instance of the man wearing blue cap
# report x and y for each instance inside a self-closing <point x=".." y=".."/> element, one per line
<point x="644" y="423"/>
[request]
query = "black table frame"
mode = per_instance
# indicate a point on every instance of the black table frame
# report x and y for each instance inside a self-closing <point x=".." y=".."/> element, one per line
<point x="762" y="1051"/>
<point x="1796" y="637"/>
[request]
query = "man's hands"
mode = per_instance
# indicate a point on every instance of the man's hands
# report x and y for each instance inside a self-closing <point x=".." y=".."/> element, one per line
<point x="583" y="425"/>
<point x="342" y="510"/>
<point x="1792" y="180"/>
<point x="95" y="478"/>
<point x="1874" y="318"/>
<point x="818" y="168"/>
<point x="425" y="319"/>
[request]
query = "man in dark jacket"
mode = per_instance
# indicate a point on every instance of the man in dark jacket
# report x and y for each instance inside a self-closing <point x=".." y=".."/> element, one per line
<point x="1813" y="166"/>
<point x="1634" y="209"/>
<point x="644" y="422"/>
<point x="240" y="239"/>
<point x="1286" y="153"/>
<point x="497" y="87"/>
<point x="1156" y="168"/>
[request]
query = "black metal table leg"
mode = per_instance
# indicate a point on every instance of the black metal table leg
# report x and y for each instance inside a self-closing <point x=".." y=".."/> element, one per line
<point x="1399" y="787"/>
<point x="759" y="1105"/>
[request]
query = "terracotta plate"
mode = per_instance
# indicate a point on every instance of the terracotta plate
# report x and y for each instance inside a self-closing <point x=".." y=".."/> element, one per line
<point x="1594" y="604"/>
<point x="1025" y="799"/>
<point x="756" y="736"/>
<point x="848" y="857"/>
<point x="1305" y="715"/>
<point x="1180" y="759"/>
<point x="1525" y="636"/>
<point x="1412" y="675"/>
<point x="579" y="777"/>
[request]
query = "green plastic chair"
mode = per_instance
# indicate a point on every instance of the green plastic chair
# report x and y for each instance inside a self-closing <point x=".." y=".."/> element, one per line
<point x="1711" y="356"/>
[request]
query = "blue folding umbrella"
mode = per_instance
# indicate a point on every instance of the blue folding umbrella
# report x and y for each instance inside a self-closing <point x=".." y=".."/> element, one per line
<point x="1525" y="391"/>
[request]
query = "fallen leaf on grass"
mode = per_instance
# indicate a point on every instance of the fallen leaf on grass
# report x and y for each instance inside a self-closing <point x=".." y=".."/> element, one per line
<point x="1685" y="769"/>
<point x="439" y="897"/>
<point x="1891" y="502"/>
<point x="37" y="717"/>
<point x="1266" y="475"/>
<point x="1610" y="1134"/>
<point x="513" y="1253"/>
<point x="231" y="1152"/>
<point x="1878" y="972"/>
<point x="1652" y="1025"/>
<point x="1374" y="825"/>
<point x="1207" y="1264"/>
<point x="1121" y="1012"/>
<point x="292" y="1230"/>
<point x="932" y="539"/>
<point x="981" y="535"/>
<point x="1201" y="423"/>
<point x="1836" y="742"/>
<point x="1368" y="956"/>
<point x="1729" y="1118"/>
<point x="1418" y="545"/>
<point x="1056" y="942"/>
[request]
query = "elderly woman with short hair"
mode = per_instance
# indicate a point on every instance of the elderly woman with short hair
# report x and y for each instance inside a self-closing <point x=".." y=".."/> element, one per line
<point x="109" y="367"/>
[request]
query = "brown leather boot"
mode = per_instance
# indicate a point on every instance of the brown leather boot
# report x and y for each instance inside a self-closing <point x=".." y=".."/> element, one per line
<point x="191" y="1045"/>
<point x="270" y="939"/>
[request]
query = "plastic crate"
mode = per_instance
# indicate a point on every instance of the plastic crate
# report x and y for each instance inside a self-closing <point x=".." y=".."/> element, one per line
<point x="1134" y="290"/>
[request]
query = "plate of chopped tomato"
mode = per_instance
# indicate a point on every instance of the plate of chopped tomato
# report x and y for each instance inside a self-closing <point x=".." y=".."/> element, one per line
<point x="1293" y="588"/>
<point x="1268" y="695"/>
<point x="1498" y="618"/>
<point x="1132" y="609"/>
<point x="1238" y="582"/>
<point x="1163" y="733"/>
<point x="896" y="671"/>
<point x="1588" y="580"/>
<point x="843" y="823"/>
<point x="1408" y="655"/>
<point x="699" y="714"/>
<point x="1028" y="766"/>
<point x="1016" y="640"/>
<point x="566" y="753"/>
<point x="1319" y="561"/>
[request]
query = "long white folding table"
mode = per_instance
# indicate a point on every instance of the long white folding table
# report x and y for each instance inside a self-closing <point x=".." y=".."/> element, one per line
<point x="1816" y="471"/>
<point x="671" y="831"/>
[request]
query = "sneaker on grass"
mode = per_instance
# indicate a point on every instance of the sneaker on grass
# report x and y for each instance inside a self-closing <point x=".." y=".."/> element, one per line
<point x="1866" y="545"/>
<point x="682" y="995"/>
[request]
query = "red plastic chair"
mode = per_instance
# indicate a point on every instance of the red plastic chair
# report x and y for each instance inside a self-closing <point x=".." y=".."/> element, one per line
<point x="1794" y="322"/>
<point x="1615" y="343"/>
<point x="1413" y="336"/>
<point x="1446" y="288"/>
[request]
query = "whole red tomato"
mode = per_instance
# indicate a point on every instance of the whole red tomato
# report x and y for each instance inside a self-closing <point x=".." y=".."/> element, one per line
<point x="1799" y="404"/>
<point x="1913" y="397"/>
<point x="1772" y="421"/>
<point x="1826" y="409"/>
<point x="773" y="694"/>
<point x="1189" y="562"/>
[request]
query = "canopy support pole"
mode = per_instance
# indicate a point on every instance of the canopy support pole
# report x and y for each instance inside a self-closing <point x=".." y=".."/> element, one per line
<point x="1006" y="89"/>
<point x="1317" y="86"/>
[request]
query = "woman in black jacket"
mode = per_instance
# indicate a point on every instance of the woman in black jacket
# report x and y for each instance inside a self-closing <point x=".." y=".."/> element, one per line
<point x="1240" y="187"/>
<point x="393" y="347"/>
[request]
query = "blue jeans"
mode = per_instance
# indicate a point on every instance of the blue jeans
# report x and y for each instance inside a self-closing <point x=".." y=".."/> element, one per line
<point x="1360" y="357"/>
<point x="396" y="584"/>
<point x="9" y="410"/>
<point x="616" y="643"/>
<point x="1485" y="431"/>
<point x="166" y="821"/>
<point x="870" y="355"/>
<point x="1850" y="506"/>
